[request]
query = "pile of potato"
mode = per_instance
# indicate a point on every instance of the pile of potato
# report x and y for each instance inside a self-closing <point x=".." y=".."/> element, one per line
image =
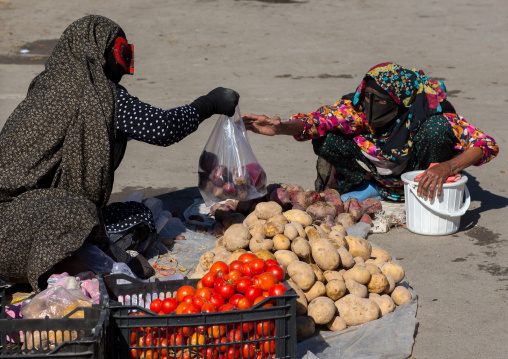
<point x="341" y="280"/>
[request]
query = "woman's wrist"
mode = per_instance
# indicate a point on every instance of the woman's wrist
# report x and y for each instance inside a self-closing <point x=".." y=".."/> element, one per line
<point x="291" y="128"/>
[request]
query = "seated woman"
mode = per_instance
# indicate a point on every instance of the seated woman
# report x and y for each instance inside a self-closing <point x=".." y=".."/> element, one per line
<point x="60" y="147"/>
<point x="397" y="121"/>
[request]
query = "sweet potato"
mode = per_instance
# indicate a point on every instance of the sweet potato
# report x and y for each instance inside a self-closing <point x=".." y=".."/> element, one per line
<point x="371" y="206"/>
<point x="220" y="175"/>
<point x="301" y="273"/>
<point x="355" y="310"/>
<point x="296" y="215"/>
<point x="265" y="210"/>
<point x="305" y="199"/>
<point x="320" y="210"/>
<point x="332" y="196"/>
<point x="208" y="161"/>
<point x="236" y="237"/>
<point x="366" y="219"/>
<point x="257" y="176"/>
<point x="282" y="197"/>
<point x="294" y="188"/>
<point x="241" y="175"/>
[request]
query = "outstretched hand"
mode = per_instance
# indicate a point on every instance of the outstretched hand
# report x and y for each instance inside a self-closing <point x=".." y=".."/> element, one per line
<point x="262" y="124"/>
<point x="432" y="179"/>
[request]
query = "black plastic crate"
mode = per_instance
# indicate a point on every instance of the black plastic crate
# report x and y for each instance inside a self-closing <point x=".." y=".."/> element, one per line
<point x="54" y="338"/>
<point x="127" y="325"/>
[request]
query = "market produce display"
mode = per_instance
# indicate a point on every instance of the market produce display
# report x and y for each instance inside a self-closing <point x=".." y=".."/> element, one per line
<point x="244" y="283"/>
<point x="341" y="280"/>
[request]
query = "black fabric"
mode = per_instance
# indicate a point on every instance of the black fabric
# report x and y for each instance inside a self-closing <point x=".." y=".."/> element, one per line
<point x="218" y="101"/>
<point x="144" y="122"/>
<point x="379" y="114"/>
<point x="57" y="156"/>
<point x="141" y="267"/>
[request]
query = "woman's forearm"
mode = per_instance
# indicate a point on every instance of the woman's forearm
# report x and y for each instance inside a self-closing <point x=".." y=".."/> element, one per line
<point x="469" y="157"/>
<point x="291" y="128"/>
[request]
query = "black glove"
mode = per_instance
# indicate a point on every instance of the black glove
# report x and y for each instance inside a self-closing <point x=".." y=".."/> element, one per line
<point x="218" y="101"/>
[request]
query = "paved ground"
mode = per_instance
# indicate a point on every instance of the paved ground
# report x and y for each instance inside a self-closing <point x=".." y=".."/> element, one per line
<point x="289" y="56"/>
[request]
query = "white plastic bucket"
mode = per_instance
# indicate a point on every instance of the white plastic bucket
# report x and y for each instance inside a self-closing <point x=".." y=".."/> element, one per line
<point x="439" y="216"/>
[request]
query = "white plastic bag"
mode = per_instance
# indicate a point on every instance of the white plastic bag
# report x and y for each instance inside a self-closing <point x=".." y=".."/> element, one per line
<point x="228" y="168"/>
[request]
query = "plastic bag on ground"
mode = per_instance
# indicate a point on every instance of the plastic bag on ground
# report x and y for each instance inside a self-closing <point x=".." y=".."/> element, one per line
<point x="228" y="168"/>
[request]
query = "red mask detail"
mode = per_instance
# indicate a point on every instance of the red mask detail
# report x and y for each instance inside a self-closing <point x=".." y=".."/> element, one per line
<point x="124" y="55"/>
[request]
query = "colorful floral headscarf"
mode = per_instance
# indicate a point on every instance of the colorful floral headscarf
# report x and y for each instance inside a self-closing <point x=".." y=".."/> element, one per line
<point x="419" y="98"/>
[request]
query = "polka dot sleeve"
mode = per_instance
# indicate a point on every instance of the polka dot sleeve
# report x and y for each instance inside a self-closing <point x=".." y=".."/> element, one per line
<point x="153" y="125"/>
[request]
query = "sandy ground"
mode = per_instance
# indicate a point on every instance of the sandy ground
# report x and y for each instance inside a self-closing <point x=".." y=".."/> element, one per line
<point x="285" y="57"/>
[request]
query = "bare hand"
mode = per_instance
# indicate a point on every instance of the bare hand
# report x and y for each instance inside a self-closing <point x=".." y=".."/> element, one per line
<point x="433" y="178"/>
<point x="262" y="124"/>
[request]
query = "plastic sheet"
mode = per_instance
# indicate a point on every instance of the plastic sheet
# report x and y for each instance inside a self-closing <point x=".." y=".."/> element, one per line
<point x="390" y="337"/>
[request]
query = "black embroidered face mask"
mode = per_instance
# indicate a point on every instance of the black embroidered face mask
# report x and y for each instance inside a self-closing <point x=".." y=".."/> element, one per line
<point x="379" y="107"/>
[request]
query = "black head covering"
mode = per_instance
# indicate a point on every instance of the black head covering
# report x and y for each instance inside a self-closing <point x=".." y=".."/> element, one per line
<point x="62" y="134"/>
<point x="57" y="154"/>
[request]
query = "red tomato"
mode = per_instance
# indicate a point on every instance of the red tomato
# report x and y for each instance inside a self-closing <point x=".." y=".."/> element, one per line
<point x="246" y="327"/>
<point x="236" y="264"/>
<point x="187" y="299"/>
<point x="198" y="301"/>
<point x="265" y="328"/>
<point x="219" y="282"/>
<point x="267" y="280"/>
<point x="220" y="268"/>
<point x="134" y="354"/>
<point x="242" y="284"/>
<point x="244" y="303"/>
<point x="211" y="353"/>
<point x="191" y="310"/>
<point x="169" y="305"/>
<point x="227" y="290"/>
<point x="234" y="335"/>
<point x="204" y="292"/>
<point x="277" y="271"/>
<point x="269" y="262"/>
<point x="226" y="307"/>
<point x="277" y="289"/>
<point x="247" y="257"/>
<point x="216" y="331"/>
<point x="232" y="353"/>
<point x="175" y="339"/>
<point x="234" y="275"/>
<point x="249" y="351"/>
<point x="181" y="307"/>
<point x="208" y="308"/>
<point x="183" y="291"/>
<point x="252" y="292"/>
<point x="255" y="281"/>
<point x="217" y="300"/>
<point x="156" y="305"/>
<point x="221" y="340"/>
<point x="235" y="298"/>
<point x="258" y="266"/>
<point x="260" y="298"/>
<point x="269" y="347"/>
<point x="150" y="354"/>
<point x="208" y="279"/>
<point x="164" y="344"/>
<point x="197" y="339"/>
<point x="246" y="269"/>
